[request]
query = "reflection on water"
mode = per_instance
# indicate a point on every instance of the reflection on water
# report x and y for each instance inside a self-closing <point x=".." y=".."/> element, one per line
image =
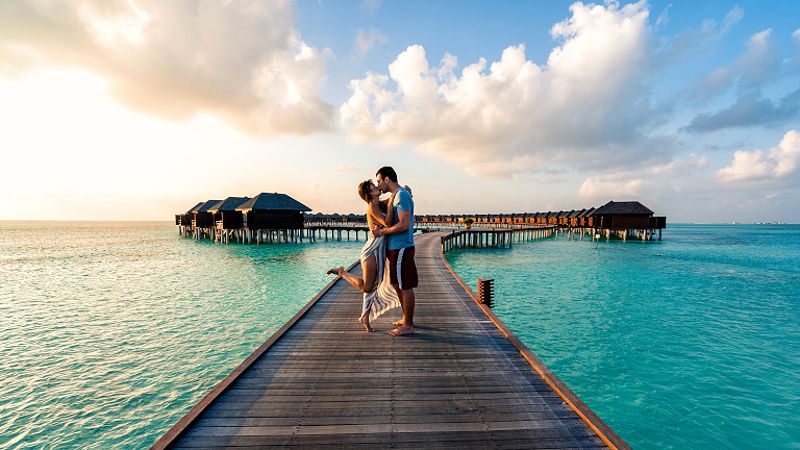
<point x="691" y="342"/>
<point x="112" y="331"/>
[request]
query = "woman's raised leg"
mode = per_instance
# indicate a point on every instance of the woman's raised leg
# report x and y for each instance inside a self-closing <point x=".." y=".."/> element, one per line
<point x="368" y="272"/>
<point x="365" y="284"/>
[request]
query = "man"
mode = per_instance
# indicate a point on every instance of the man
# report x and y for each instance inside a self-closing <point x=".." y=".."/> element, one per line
<point x="400" y="247"/>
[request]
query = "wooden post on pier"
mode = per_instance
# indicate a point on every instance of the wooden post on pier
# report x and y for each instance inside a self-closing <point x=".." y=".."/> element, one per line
<point x="486" y="291"/>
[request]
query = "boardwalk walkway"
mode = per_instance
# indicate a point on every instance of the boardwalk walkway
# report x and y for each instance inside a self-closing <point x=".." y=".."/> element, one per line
<point x="458" y="382"/>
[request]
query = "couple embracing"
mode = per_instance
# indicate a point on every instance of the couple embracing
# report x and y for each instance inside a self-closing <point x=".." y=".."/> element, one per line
<point x="388" y="273"/>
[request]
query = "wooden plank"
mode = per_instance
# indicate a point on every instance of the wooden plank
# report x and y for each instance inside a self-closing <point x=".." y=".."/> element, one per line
<point x="459" y="381"/>
<point x="604" y="432"/>
<point x="376" y="428"/>
<point x="476" y="440"/>
<point x="180" y="427"/>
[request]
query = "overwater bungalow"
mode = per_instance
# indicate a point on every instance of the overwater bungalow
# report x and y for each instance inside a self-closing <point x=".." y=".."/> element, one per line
<point x="185" y="219"/>
<point x="201" y="218"/>
<point x="585" y="218"/>
<point x="316" y="218"/>
<point x="622" y="215"/>
<point x="622" y="218"/>
<point x="573" y="217"/>
<point x="226" y="217"/>
<point x="529" y="219"/>
<point x="272" y="211"/>
<point x="563" y="218"/>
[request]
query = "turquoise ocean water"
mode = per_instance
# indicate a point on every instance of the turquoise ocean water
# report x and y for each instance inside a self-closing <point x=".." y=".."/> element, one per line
<point x="688" y="343"/>
<point x="110" y="332"/>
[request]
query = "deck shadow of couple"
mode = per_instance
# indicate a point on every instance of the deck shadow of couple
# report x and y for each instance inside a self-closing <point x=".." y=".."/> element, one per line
<point x="388" y="272"/>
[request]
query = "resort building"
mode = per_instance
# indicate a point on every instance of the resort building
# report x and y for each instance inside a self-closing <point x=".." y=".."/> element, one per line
<point x="226" y="217"/>
<point x="272" y="211"/>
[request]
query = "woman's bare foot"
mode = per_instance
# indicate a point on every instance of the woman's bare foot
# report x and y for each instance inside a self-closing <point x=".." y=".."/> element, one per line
<point x="335" y="270"/>
<point x="365" y="321"/>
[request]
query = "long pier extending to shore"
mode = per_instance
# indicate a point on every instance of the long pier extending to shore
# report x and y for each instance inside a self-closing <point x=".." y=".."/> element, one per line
<point x="462" y="380"/>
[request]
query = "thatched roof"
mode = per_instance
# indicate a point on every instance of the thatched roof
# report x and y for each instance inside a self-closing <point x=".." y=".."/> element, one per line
<point x="629" y="208"/>
<point x="203" y="207"/>
<point x="229" y="204"/>
<point x="575" y="213"/>
<point x="274" y="202"/>
<point x="586" y="212"/>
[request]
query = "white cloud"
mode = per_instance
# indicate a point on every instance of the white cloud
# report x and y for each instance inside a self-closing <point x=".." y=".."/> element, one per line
<point x="242" y="61"/>
<point x="734" y="16"/>
<point x="758" y="63"/>
<point x="636" y="183"/>
<point x="663" y="18"/>
<point x="679" y="166"/>
<point x="371" y="5"/>
<point x="796" y="36"/>
<point x="367" y="40"/>
<point x="709" y="33"/>
<point x="777" y="162"/>
<point x="749" y="110"/>
<point x="512" y="115"/>
<point x="607" y="187"/>
<point x="760" y="58"/>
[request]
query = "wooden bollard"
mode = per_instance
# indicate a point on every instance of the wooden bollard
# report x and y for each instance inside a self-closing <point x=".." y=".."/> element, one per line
<point x="486" y="291"/>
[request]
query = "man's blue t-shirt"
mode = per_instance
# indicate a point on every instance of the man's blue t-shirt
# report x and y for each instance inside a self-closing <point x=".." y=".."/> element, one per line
<point x="402" y="202"/>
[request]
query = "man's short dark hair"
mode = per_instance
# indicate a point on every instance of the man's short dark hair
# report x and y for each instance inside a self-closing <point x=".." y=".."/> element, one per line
<point x="387" y="171"/>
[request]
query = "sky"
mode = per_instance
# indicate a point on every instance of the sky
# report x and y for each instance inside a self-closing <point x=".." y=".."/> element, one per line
<point x="139" y="109"/>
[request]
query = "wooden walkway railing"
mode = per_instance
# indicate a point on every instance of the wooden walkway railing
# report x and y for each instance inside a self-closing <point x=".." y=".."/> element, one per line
<point x="462" y="380"/>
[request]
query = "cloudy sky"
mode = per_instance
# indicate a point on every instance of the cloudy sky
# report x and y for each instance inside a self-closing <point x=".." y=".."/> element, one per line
<point x="138" y="109"/>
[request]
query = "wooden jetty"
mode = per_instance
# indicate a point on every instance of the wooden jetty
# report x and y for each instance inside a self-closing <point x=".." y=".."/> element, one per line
<point x="462" y="380"/>
<point x="495" y="237"/>
<point x="275" y="218"/>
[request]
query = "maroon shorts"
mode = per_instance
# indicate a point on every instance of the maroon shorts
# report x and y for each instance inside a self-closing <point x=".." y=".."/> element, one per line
<point x="402" y="270"/>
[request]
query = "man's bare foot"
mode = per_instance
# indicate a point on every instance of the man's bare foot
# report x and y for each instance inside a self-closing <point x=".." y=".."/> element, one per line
<point x="398" y="323"/>
<point x="404" y="330"/>
<point x="365" y="322"/>
<point x="335" y="270"/>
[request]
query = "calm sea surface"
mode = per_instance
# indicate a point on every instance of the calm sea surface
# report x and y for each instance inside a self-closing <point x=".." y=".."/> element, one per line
<point x="110" y="332"/>
<point x="691" y="342"/>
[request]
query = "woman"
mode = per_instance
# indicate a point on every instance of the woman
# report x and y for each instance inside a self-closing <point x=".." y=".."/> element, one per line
<point x="379" y="295"/>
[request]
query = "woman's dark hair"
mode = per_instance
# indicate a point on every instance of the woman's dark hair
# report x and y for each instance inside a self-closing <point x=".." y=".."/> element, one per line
<point x="365" y="190"/>
<point x="387" y="171"/>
